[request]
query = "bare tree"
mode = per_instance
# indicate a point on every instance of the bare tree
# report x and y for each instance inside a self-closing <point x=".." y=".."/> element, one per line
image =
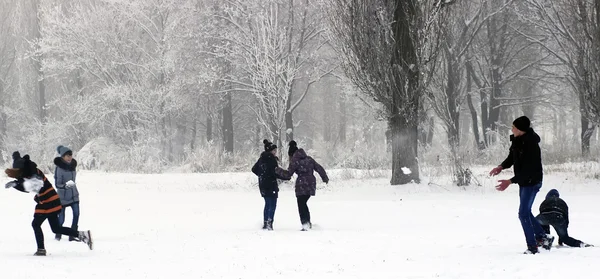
<point x="386" y="46"/>
<point x="572" y="35"/>
<point x="498" y="59"/>
<point x="274" y="43"/>
<point x="7" y="61"/>
<point x="448" y="89"/>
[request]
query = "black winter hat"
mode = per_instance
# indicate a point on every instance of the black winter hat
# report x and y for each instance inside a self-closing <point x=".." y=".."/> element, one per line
<point x="293" y="148"/>
<point x="522" y="123"/>
<point x="18" y="162"/>
<point x="29" y="167"/>
<point x="269" y="146"/>
<point x="552" y="193"/>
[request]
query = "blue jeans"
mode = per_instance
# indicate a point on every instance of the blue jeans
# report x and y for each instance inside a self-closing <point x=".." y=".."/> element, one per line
<point x="531" y="227"/>
<point x="61" y="215"/>
<point x="270" y="206"/>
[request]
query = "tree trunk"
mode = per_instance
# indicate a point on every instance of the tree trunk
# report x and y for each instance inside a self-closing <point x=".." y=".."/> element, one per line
<point x="587" y="131"/>
<point x="289" y="114"/>
<point x="405" y="167"/>
<point x="38" y="66"/>
<point x="257" y="137"/>
<point x="343" y="119"/>
<point x="289" y="126"/>
<point x="327" y="111"/>
<point x="478" y="141"/>
<point x="194" y="135"/>
<point x="209" y="132"/>
<point x="227" y="115"/>
<point x="404" y="115"/>
<point x="2" y="120"/>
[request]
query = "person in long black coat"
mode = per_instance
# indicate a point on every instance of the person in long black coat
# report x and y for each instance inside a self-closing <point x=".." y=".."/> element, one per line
<point x="268" y="171"/>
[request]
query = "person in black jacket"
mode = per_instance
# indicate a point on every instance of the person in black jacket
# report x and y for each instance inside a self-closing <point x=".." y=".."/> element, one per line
<point x="526" y="159"/>
<point x="554" y="211"/>
<point x="268" y="171"/>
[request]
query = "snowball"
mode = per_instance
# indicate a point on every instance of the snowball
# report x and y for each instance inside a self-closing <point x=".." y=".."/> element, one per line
<point x="33" y="185"/>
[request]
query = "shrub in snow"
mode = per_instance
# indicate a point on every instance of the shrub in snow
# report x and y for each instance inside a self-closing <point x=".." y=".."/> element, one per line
<point x="100" y="153"/>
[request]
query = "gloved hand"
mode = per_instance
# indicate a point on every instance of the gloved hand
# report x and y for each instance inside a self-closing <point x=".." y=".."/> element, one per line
<point x="10" y="184"/>
<point x="70" y="183"/>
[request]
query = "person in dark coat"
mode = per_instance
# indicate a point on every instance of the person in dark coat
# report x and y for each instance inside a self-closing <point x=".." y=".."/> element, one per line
<point x="306" y="183"/>
<point x="525" y="158"/>
<point x="555" y="212"/>
<point x="65" y="175"/>
<point x="29" y="179"/>
<point x="266" y="168"/>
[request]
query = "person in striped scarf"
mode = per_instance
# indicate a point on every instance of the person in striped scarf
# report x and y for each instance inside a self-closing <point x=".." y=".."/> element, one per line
<point x="29" y="179"/>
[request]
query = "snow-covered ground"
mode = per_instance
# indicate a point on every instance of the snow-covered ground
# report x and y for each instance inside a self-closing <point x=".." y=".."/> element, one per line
<point x="208" y="226"/>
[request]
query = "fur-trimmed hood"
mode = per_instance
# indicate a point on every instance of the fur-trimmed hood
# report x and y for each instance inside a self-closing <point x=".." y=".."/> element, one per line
<point x="59" y="162"/>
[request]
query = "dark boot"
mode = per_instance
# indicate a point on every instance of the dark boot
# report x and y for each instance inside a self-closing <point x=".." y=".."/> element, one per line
<point x="548" y="240"/>
<point x="265" y="225"/>
<point x="57" y="237"/>
<point x="40" y="252"/>
<point x="74" y="238"/>
<point x="270" y="225"/>
<point x="531" y="250"/>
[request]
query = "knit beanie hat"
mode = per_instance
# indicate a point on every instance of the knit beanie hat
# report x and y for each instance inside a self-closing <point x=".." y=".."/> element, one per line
<point x="522" y="123"/>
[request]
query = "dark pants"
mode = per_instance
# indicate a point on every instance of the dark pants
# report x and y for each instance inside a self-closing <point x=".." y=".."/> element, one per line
<point x="270" y="206"/>
<point x="303" y="209"/>
<point x="61" y="216"/>
<point x="54" y="225"/>
<point x="560" y="225"/>
<point x="531" y="227"/>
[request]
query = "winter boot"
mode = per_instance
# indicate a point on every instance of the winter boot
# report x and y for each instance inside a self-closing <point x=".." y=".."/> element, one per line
<point x="74" y="238"/>
<point x="40" y="252"/>
<point x="531" y="250"/>
<point x="269" y="225"/>
<point x="306" y="226"/>
<point x="548" y="240"/>
<point x="57" y="237"/>
<point x="86" y="237"/>
<point x="265" y="225"/>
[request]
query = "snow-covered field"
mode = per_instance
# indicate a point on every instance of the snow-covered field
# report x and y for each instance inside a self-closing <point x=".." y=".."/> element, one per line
<point x="208" y="226"/>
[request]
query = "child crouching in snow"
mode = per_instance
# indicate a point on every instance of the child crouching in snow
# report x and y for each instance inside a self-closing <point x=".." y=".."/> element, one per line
<point x="30" y="179"/>
<point x="554" y="211"/>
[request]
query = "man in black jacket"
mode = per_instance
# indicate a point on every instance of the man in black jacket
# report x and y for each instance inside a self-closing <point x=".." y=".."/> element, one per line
<point x="554" y="211"/>
<point x="525" y="157"/>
